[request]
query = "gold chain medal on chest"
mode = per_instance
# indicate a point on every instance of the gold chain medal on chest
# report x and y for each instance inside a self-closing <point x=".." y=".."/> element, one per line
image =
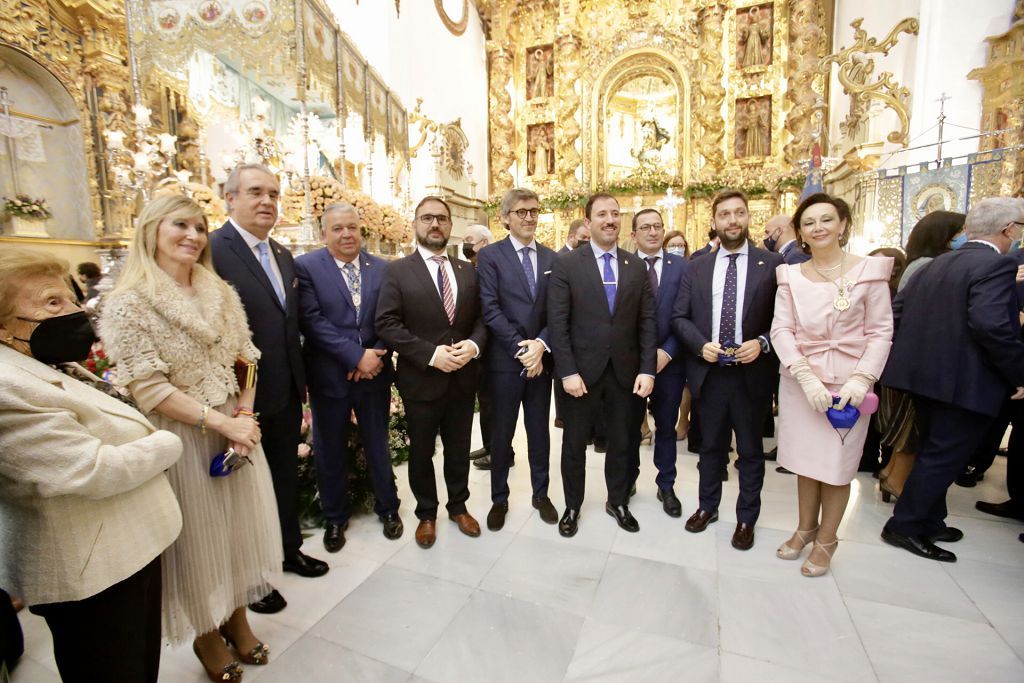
<point x="357" y="299"/>
<point x="842" y="301"/>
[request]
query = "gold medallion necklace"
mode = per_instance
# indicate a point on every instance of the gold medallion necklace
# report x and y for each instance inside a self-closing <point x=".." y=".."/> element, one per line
<point x="842" y="300"/>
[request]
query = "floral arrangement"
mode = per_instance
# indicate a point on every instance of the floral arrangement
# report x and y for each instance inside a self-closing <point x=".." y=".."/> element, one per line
<point x="395" y="228"/>
<point x="754" y="183"/>
<point x="23" y="206"/>
<point x="98" y="363"/>
<point x="360" y="487"/>
<point x="322" y="192"/>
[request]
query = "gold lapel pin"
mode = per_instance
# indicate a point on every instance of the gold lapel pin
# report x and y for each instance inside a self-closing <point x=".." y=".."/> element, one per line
<point x="760" y="263"/>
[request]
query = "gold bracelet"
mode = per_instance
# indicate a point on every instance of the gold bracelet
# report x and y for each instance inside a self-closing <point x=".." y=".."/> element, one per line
<point x="202" y="419"/>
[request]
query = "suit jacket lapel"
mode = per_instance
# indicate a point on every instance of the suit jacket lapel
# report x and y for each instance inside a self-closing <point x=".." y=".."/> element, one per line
<point x="545" y="259"/>
<point x="335" y="275"/>
<point x="512" y="255"/>
<point x="756" y="271"/>
<point x="426" y="284"/>
<point x="284" y="265"/>
<point x="593" y="274"/>
<point x="463" y="273"/>
<point x="245" y="255"/>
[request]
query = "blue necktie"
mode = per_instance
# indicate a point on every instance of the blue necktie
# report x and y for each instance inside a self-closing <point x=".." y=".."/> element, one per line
<point x="531" y="279"/>
<point x="265" y="262"/>
<point x="727" y="323"/>
<point x="609" y="281"/>
<point x="354" y="285"/>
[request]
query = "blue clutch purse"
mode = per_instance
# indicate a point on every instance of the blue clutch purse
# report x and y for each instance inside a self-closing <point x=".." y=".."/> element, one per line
<point x="227" y="462"/>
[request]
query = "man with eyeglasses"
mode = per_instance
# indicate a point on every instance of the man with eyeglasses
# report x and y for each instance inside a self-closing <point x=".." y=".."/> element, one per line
<point x="603" y="337"/>
<point x="664" y="274"/>
<point x="958" y="350"/>
<point x="513" y="296"/>
<point x="428" y="311"/>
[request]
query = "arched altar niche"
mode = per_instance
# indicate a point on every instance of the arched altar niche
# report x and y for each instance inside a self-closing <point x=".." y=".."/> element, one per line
<point x="49" y="158"/>
<point x="653" y="82"/>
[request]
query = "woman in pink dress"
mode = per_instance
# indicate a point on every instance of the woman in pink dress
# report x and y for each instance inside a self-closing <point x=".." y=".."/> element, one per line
<point x="832" y="332"/>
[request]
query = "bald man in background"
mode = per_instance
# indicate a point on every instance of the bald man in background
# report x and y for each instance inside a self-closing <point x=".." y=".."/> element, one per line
<point x="780" y="237"/>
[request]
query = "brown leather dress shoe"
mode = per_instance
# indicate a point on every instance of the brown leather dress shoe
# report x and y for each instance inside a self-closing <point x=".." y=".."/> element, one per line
<point x="699" y="521"/>
<point x="743" y="537"/>
<point x="467" y="524"/>
<point x="426" y="533"/>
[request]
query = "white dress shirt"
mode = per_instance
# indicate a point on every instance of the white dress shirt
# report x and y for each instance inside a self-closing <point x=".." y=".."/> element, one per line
<point x="253" y="241"/>
<point x="987" y="244"/>
<point x="718" y="287"/>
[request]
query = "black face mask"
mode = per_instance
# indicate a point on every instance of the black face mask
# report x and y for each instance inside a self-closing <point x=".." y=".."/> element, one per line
<point x="770" y="243"/>
<point x="468" y="251"/>
<point x="61" y="339"/>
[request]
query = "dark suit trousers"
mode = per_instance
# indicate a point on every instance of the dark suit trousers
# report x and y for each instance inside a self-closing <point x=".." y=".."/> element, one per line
<point x="1015" y="455"/>
<point x="985" y="454"/>
<point x="726" y="407"/>
<point x="483" y="396"/>
<point x="451" y="415"/>
<point x="507" y="392"/>
<point x="620" y="408"/>
<point x="665" y="400"/>
<point x="331" y="428"/>
<point x="949" y="435"/>
<point x="111" y="636"/>
<point x="281" y="434"/>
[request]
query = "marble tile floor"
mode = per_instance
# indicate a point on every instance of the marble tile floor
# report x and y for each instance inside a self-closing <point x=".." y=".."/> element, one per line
<point x="524" y="604"/>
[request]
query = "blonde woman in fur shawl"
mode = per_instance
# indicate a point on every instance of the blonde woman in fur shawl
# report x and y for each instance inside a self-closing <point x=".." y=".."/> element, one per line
<point x="175" y="331"/>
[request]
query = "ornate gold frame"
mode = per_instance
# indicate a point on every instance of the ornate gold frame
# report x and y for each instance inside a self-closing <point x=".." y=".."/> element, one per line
<point x="457" y="28"/>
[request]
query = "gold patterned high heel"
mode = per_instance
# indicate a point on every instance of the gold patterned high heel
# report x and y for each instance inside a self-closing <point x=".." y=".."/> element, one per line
<point x="259" y="655"/>
<point x="788" y="552"/>
<point x="809" y="569"/>
<point x="232" y="671"/>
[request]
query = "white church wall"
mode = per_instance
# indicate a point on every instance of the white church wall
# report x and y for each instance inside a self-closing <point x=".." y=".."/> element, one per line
<point x="950" y="43"/>
<point x="419" y="58"/>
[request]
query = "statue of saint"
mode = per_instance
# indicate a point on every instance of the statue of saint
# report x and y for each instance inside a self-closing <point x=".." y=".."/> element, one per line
<point x="542" y="155"/>
<point x="654" y="138"/>
<point x="540" y="70"/>
<point x="754" y="36"/>
<point x="754" y="123"/>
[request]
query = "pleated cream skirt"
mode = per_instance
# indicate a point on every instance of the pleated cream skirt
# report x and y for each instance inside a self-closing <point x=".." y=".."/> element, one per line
<point x="229" y="549"/>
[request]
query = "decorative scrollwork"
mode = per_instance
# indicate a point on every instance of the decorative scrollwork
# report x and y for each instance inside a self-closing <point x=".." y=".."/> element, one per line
<point x="502" y="131"/>
<point x="712" y="94"/>
<point x="854" y="74"/>
<point x="807" y="44"/>
<point x="457" y="28"/>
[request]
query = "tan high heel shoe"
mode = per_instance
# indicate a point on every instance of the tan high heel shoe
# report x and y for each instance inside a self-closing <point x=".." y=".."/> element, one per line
<point x="809" y="569"/>
<point x="788" y="552"/>
<point x="258" y="655"/>
<point x="231" y="672"/>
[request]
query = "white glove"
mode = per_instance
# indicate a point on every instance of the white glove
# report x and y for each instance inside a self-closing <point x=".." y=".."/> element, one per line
<point x="855" y="389"/>
<point x="817" y="394"/>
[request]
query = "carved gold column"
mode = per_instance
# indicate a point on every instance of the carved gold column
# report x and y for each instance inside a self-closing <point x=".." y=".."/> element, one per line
<point x="805" y="80"/>
<point x="1010" y="175"/>
<point x="711" y="92"/>
<point x="502" y="134"/>
<point x="567" y="130"/>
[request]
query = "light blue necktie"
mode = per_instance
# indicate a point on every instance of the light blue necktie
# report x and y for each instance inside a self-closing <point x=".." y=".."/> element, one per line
<point x="531" y="279"/>
<point x="609" y="281"/>
<point x="265" y="262"/>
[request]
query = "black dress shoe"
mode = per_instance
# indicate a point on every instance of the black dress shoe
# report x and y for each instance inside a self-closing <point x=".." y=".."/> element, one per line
<point x="773" y="454"/>
<point x="918" y="545"/>
<point x="483" y="462"/>
<point x="670" y="503"/>
<point x="271" y="603"/>
<point x="393" y="527"/>
<point x="1007" y="509"/>
<point x="743" y="537"/>
<point x="969" y="478"/>
<point x="948" y="535"/>
<point x="569" y="524"/>
<point x="624" y="518"/>
<point x="334" y="537"/>
<point x="548" y="513"/>
<point x="782" y="470"/>
<point x="477" y="454"/>
<point x="304" y="565"/>
<point x="699" y="521"/>
<point x="496" y="517"/>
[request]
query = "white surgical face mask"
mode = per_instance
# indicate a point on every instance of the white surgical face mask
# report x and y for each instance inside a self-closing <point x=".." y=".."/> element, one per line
<point x="678" y="251"/>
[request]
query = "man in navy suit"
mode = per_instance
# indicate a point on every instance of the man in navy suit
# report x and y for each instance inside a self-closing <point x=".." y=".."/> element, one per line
<point x="428" y="311"/>
<point x="513" y="277"/>
<point x="263" y="273"/>
<point x="349" y="369"/>
<point x="780" y="237"/>
<point x="723" y="315"/>
<point x="665" y="274"/>
<point x="958" y="351"/>
<point x="604" y="340"/>
<point x="709" y="247"/>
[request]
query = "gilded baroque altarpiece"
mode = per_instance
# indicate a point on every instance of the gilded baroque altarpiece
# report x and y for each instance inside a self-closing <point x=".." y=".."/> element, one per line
<point x="651" y="94"/>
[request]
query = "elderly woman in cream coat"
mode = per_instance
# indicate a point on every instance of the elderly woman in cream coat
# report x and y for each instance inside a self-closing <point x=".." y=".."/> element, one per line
<point x="85" y="507"/>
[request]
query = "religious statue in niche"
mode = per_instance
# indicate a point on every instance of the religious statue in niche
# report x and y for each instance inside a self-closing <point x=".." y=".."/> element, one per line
<point x="540" y="151"/>
<point x="934" y="197"/>
<point x="754" y="36"/>
<point x="648" y="155"/>
<point x="753" y="127"/>
<point x="539" y="72"/>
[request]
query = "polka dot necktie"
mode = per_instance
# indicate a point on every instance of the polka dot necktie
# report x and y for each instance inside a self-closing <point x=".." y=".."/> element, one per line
<point x="727" y="323"/>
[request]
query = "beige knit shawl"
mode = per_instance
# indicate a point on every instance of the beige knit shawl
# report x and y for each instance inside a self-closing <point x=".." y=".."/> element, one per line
<point x="194" y="341"/>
